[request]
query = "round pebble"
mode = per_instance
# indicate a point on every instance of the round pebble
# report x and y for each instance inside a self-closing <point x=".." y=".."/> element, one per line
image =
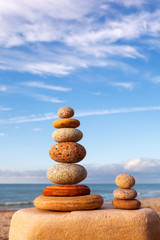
<point x="66" y="190"/>
<point x="126" y="204"/>
<point x="67" y="135"/>
<point x="66" y="123"/>
<point x="67" y="152"/>
<point x="65" y="204"/>
<point x="65" y="112"/>
<point x="125" y="181"/>
<point x="124" y="193"/>
<point x="66" y="173"/>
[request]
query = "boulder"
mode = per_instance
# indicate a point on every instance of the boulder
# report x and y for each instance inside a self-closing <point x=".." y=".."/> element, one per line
<point x="104" y="223"/>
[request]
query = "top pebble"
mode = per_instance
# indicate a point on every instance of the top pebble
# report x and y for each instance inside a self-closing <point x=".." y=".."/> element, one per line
<point x="125" y="181"/>
<point x="65" y="112"/>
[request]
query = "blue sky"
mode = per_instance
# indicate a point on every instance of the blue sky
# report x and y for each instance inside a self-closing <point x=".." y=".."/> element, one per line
<point x="99" y="57"/>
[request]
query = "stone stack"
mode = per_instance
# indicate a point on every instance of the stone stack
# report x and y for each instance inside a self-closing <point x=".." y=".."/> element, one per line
<point x="67" y="195"/>
<point x="125" y="196"/>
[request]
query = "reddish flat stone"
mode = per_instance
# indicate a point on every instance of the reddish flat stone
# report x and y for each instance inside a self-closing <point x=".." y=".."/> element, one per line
<point x="126" y="204"/>
<point x="66" y="123"/>
<point x="67" y="152"/>
<point x="66" y="190"/>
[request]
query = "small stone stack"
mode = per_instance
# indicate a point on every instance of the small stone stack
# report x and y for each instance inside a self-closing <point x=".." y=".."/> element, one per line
<point x="125" y="196"/>
<point x="67" y="196"/>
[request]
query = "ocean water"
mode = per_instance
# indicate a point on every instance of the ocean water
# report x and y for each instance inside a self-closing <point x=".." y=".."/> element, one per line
<point x="16" y="196"/>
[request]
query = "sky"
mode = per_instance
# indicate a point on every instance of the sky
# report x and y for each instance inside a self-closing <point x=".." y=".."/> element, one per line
<point x="99" y="57"/>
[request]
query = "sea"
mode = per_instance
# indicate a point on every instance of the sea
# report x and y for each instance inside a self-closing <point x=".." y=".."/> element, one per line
<point x="17" y="196"/>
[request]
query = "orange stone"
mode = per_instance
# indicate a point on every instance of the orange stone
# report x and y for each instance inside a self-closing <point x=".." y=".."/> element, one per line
<point x="67" y="152"/>
<point x="126" y="204"/>
<point x="66" y="190"/>
<point x="66" y="123"/>
<point x="65" y="204"/>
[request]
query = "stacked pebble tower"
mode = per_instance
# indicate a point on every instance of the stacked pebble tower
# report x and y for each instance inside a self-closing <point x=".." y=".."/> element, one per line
<point x="125" y="196"/>
<point x="67" y="196"/>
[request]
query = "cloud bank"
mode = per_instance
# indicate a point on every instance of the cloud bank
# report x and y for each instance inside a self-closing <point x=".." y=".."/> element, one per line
<point x="145" y="170"/>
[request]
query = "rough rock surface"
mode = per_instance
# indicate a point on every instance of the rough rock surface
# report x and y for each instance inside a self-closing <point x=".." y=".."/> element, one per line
<point x="66" y="173"/>
<point x="106" y="224"/>
<point x="65" y="112"/>
<point x="67" y="135"/>
<point x="121" y="193"/>
<point x="125" y="181"/>
<point x="66" y="190"/>
<point x="67" y="152"/>
<point x="66" y="123"/>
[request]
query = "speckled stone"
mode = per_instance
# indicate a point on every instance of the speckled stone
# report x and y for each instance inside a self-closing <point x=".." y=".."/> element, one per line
<point x="126" y="204"/>
<point x="125" y="181"/>
<point x="64" y="204"/>
<point x="67" y="135"/>
<point x="66" y="190"/>
<point x="65" y="112"/>
<point x="121" y="193"/>
<point x="67" y="152"/>
<point x="66" y="123"/>
<point x="66" y="173"/>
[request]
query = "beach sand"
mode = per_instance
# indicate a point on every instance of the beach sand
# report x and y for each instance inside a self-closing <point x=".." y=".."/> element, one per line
<point x="5" y="218"/>
<point x="6" y="215"/>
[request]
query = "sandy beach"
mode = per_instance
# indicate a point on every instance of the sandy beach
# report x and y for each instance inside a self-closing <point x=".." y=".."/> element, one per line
<point x="6" y="215"/>
<point x="5" y="218"/>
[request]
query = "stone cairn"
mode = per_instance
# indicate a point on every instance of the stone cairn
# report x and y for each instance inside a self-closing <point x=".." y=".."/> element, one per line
<point x="67" y="196"/>
<point x="125" y="196"/>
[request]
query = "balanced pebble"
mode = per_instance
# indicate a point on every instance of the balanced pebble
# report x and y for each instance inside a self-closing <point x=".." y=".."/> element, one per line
<point x="126" y="204"/>
<point x="66" y="190"/>
<point x="65" y="112"/>
<point x="63" y="204"/>
<point x="67" y="152"/>
<point x="67" y="135"/>
<point x="66" y="173"/>
<point x="125" y="181"/>
<point x="66" y="123"/>
<point x="124" y="193"/>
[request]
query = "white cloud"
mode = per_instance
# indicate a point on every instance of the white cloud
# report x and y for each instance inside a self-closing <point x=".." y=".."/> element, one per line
<point x="155" y="79"/>
<point x="30" y="118"/>
<point x="3" y="88"/>
<point x="143" y="169"/>
<point x="3" y="134"/>
<point x="5" y="109"/>
<point x="45" y="86"/>
<point x="59" y="36"/>
<point x="49" y="116"/>
<point x="48" y="68"/>
<point x="46" y="98"/>
<point x="139" y="165"/>
<point x="96" y="93"/>
<point x="36" y="129"/>
<point x="126" y="85"/>
<point x="118" y="111"/>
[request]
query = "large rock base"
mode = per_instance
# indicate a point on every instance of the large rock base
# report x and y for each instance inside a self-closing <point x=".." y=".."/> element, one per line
<point x="106" y="224"/>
